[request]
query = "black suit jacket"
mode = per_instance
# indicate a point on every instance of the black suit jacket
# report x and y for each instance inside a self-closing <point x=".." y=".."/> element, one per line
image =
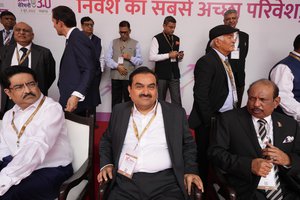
<point x="77" y="70"/>
<point x="238" y="65"/>
<point x="181" y="145"/>
<point x="42" y="63"/>
<point x="11" y="42"/>
<point x="210" y="89"/>
<point x="235" y="144"/>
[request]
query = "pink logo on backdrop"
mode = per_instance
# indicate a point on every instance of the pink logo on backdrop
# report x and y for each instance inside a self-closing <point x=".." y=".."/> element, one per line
<point x="34" y="3"/>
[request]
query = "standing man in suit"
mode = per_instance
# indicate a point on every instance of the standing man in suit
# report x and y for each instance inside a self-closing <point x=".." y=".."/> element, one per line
<point x="148" y="150"/>
<point x="87" y="26"/>
<point x="286" y="75"/>
<point x="237" y="58"/>
<point x="257" y="147"/>
<point x="26" y="53"/>
<point x="164" y="51"/>
<point x="77" y="66"/>
<point x="123" y="56"/>
<point x="214" y="89"/>
<point x="8" y="20"/>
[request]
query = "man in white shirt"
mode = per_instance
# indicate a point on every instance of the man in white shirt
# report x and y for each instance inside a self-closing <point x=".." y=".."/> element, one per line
<point x="35" y="152"/>
<point x="286" y="75"/>
<point x="148" y="150"/>
<point x="257" y="147"/>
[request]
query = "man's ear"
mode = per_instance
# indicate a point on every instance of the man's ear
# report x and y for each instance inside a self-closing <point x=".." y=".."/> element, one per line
<point x="276" y="102"/>
<point x="7" y="92"/>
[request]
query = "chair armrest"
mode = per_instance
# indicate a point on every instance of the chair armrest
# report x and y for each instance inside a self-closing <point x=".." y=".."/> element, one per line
<point x="103" y="187"/>
<point x="74" y="180"/>
<point x="196" y="194"/>
<point x="226" y="190"/>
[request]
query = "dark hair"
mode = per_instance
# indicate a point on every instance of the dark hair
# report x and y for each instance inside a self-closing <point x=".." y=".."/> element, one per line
<point x="141" y="70"/>
<point x="297" y="43"/>
<point x="64" y="14"/>
<point x="86" y="19"/>
<point x="8" y="72"/>
<point x="266" y="82"/>
<point x="169" y="19"/>
<point x="7" y="13"/>
<point x="124" y="24"/>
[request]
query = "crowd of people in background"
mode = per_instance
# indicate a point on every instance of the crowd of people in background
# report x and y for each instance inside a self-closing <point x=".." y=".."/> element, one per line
<point x="148" y="150"/>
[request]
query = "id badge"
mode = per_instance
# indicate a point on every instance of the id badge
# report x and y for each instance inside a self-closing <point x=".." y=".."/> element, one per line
<point x="173" y="59"/>
<point x="120" y="60"/>
<point x="268" y="182"/>
<point x="235" y="54"/>
<point x="127" y="165"/>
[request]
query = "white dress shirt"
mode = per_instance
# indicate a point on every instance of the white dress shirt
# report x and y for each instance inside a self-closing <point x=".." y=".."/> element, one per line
<point x="44" y="143"/>
<point x="283" y="77"/>
<point x="14" y="60"/>
<point x="152" y="150"/>
<point x="153" y="54"/>
<point x="228" y="104"/>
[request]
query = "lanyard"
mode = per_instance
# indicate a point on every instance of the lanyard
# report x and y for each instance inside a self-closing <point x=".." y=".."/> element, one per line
<point x="22" y="60"/>
<point x="136" y="132"/>
<point x="172" y="41"/>
<point x="295" y="56"/>
<point x="19" y="134"/>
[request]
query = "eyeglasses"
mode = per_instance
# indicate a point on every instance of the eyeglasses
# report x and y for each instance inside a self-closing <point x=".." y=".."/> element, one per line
<point x="19" y="30"/>
<point x="88" y="24"/>
<point x="124" y="32"/>
<point x="21" y="87"/>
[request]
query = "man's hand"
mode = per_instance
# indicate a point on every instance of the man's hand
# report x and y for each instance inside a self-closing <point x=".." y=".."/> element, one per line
<point x="173" y="54"/>
<point x="72" y="103"/>
<point x="261" y="167"/>
<point x="277" y="156"/>
<point x="180" y="55"/>
<point x="126" y="56"/>
<point x="122" y="70"/>
<point x="105" y="174"/>
<point x="192" y="178"/>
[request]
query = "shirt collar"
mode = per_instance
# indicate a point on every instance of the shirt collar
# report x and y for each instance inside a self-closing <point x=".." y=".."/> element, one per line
<point x="135" y="110"/>
<point x="17" y="108"/>
<point x="268" y="119"/>
<point x="27" y="47"/>
<point x="69" y="32"/>
<point x="296" y="53"/>
<point x="220" y="55"/>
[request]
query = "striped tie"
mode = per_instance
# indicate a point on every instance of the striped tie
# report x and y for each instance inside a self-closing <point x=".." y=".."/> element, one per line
<point x="275" y="194"/>
<point x="262" y="131"/>
<point x="7" y="38"/>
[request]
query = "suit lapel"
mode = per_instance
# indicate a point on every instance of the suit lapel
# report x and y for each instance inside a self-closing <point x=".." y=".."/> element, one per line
<point x="246" y="121"/>
<point x="35" y="54"/>
<point x="278" y="136"/>
<point x="168" y="124"/>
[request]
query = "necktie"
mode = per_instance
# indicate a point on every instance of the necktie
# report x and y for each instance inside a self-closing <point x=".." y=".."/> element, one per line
<point x="7" y="38"/>
<point x="26" y="60"/>
<point x="262" y="131"/>
<point x="232" y="81"/>
<point x="275" y="194"/>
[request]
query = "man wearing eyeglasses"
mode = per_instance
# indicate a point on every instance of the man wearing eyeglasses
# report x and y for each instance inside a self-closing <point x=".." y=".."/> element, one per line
<point x="124" y="54"/>
<point x="26" y="53"/>
<point x="87" y="26"/>
<point x="32" y="139"/>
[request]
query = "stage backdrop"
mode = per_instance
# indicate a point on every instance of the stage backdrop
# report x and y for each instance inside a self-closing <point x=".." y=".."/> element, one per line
<point x="271" y="24"/>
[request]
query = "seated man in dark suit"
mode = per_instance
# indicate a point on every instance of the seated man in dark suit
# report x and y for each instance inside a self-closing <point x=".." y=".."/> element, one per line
<point x="259" y="149"/>
<point x="148" y="150"/>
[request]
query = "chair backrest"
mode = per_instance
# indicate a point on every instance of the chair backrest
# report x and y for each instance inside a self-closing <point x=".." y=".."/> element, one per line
<point x="81" y="135"/>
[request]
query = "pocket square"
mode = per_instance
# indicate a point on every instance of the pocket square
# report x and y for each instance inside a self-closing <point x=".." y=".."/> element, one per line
<point x="288" y="139"/>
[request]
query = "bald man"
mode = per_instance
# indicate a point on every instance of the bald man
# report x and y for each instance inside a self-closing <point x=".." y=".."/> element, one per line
<point x="26" y="53"/>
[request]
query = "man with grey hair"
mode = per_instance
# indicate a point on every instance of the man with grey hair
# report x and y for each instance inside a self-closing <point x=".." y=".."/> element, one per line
<point x="237" y="58"/>
<point x="214" y="89"/>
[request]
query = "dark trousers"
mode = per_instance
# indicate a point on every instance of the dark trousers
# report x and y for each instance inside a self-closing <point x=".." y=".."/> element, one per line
<point x="41" y="184"/>
<point x="174" y="87"/>
<point x="119" y="91"/>
<point x="147" y="186"/>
